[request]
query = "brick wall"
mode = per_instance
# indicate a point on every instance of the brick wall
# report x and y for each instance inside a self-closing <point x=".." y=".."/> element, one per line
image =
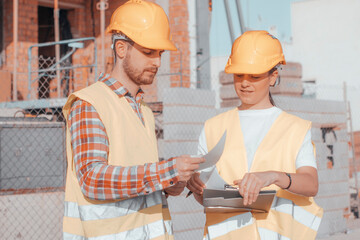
<point x="77" y="19"/>
<point x="357" y="152"/>
<point x="85" y="22"/>
<point x="27" y="35"/>
<point x="179" y="17"/>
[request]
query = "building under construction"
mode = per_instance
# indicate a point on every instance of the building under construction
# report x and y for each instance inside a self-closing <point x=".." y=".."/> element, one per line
<point x="34" y="67"/>
<point x="51" y="48"/>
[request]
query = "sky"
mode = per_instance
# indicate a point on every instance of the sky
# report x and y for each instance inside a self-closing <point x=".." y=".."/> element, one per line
<point x="270" y="15"/>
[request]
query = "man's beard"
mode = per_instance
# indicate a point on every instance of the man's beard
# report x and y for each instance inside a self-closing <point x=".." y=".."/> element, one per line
<point x="135" y="76"/>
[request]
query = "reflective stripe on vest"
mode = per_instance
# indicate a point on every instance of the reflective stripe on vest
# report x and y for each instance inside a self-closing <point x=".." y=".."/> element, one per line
<point x="152" y="231"/>
<point x="266" y="234"/>
<point x="111" y="210"/>
<point x="243" y="221"/>
<point x="118" y="209"/>
<point x="298" y="213"/>
<point x="167" y="219"/>
<point x="168" y="227"/>
<point x="291" y="216"/>
<point x="283" y="214"/>
<point x="279" y="205"/>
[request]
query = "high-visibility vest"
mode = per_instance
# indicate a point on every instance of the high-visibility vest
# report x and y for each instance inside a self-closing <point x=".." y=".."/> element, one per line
<point x="291" y="216"/>
<point x="130" y="143"/>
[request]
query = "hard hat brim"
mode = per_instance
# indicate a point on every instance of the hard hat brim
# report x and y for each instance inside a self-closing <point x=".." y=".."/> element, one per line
<point x="157" y="44"/>
<point x="249" y="68"/>
<point x="164" y="44"/>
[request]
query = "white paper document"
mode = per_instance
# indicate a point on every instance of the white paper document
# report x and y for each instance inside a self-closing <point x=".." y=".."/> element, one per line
<point x="211" y="178"/>
<point x="214" y="155"/>
<point x="208" y="173"/>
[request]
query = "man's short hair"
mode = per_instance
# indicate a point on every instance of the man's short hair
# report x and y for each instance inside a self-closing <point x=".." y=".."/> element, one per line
<point x="118" y="36"/>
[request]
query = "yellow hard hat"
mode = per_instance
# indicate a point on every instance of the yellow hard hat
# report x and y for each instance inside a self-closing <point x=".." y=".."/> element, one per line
<point x="255" y="52"/>
<point x="143" y="22"/>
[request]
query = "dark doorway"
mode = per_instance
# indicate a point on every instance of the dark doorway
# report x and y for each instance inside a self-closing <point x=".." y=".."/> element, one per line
<point x="1" y="30"/>
<point x="47" y="54"/>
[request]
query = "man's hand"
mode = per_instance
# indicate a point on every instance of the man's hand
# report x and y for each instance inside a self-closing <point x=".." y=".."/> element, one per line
<point x="186" y="166"/>
<point x="176" y="189"/>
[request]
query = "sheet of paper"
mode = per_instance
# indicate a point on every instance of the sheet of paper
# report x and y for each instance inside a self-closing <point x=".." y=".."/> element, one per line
<point x="206" y="173"/>
<point x="214" y="155"/>
<point x="212" y="179"/>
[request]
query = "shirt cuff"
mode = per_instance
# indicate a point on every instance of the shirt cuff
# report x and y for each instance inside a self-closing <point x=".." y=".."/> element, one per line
<point x="168" y="174"/>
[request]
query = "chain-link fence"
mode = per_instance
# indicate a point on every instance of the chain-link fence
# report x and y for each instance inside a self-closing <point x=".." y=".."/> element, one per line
<point x="32" y="139"/>
<point x="32" y="176"/>
<point x="76" y="68"/>
<point x="33" y="161"/>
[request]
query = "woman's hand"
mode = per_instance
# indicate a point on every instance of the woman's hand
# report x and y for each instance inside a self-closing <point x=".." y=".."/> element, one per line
<point x="304" y="182"/>
<point x="176" y="189"/>
<point x="196" y="186"/>
<point x="251" y="184"/>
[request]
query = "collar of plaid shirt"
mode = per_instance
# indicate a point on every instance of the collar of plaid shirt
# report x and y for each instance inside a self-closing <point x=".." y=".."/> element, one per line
<point x="119" y="89"/>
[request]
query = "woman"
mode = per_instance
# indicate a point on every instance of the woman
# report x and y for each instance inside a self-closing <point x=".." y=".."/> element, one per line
<point x="265" y="149"/>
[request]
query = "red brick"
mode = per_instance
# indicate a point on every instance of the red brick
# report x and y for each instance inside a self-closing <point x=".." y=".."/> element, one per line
<point x="82" y="25"/>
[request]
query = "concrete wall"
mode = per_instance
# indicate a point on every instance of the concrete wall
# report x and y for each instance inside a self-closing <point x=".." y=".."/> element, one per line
<point x="32" y="216"/>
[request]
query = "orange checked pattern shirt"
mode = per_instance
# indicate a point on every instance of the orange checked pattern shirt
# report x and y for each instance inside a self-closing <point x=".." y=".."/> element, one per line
<point x="91" y="148"/>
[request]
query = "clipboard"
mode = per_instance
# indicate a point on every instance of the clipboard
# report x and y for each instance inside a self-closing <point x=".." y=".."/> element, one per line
<point x="230" y="200"/>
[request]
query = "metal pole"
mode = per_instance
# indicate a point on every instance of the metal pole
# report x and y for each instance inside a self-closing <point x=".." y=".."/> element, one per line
<point x="96" y="63"/>
<point x="63" y="42"/>
<point x="102" y="29"/>
<point x="15" y="35"/>
<point x="29" y="73"/>
<point x="240" y="16"/>
<point x="352" y="142"/>
<point x="228" y="17"/>
<point x="181" y="67"/>
<point x="57" y="46"/>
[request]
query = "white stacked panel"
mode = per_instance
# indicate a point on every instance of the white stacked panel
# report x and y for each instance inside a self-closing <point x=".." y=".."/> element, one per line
<point x="333" y="195"/>
<point x="184" y="113"/>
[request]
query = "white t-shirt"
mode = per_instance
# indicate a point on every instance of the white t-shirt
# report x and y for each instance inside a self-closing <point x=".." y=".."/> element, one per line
<point x="255" y="124"/>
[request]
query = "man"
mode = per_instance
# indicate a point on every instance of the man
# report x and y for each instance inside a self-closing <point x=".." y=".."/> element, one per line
<point x="115" y="184"/>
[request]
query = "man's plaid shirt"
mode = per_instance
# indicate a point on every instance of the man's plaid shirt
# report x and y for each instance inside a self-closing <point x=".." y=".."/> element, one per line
<point x="90" y="146"/>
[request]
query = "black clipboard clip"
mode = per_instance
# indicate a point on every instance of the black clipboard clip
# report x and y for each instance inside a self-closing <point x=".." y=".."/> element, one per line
<point x="231" y="187"/>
